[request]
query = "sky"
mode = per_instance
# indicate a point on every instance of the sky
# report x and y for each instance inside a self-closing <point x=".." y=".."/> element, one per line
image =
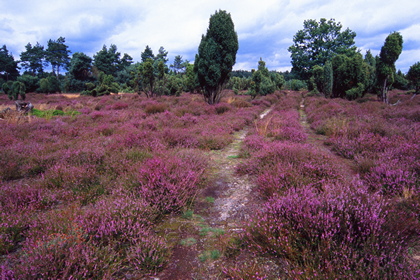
<point x="265" y="28"/>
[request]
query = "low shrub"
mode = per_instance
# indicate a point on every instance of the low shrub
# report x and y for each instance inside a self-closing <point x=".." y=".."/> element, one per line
<point x="154" y="108"/>
<point x="340" y="233"/>
<point x="169" y="183"/>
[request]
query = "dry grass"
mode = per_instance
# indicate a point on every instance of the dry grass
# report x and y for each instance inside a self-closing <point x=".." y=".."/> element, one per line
<point x="70" y="95"/>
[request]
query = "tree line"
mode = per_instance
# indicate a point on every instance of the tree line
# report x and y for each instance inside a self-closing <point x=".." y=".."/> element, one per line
<point x="108" y="71"/>
<point x="324" y="60"/>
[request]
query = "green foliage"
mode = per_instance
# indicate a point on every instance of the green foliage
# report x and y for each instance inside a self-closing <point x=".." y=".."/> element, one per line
<point x="33" y="59"/>
<point x="57" y="54"/>
<point x="210" y="199"/>
<point x="109" y="61"/>
<point x="162" y="55"/>
<point x="188" y="214"/>
<point x="318" y="77"/>
<point x="238" y="83"/>
<point x="31" y="82"/>
<point x="328" y="79"/>
<point x="277" y="79"/>
<point x="147" y="54"/>
<point x="348" y="73"/>
<point x="7" y="88"/>
<point x="389" y="54"/>
<point x="8" y="65"/>
<point x="190" y="241"/>
<point x="148" y="76"/>
<point x="355" y="92"/>
<point x="179" y="65"/>
<point x="317" y="43"/>
<point x="413" y="76"/>
<point x="264" y="82"/>
<point x="170" y="85"/>
<point x="216" y="56"/>
<point x="49" y="85"/>
<point x="190" y="79"/>
<point x="212" y="254"/>
<point x="400" y="81"/>
<point x="296" y="85"/>
<point x="18" y="89"/>
<point x="14" y="90"/>
<point x="107" y="85"/>
<point x="370" y="71"/>
<point x="80" y="66"/>
<point x="48" y="114"/>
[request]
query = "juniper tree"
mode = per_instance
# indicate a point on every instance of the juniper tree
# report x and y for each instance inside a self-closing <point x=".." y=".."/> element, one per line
<point x="216" y="56"/>
<point x="389" y="54"/>
<point x="413" y="76"/>
<point x="328" y="79"/>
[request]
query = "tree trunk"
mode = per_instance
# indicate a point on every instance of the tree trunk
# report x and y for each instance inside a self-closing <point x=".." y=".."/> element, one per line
<point x="385" y="92"/>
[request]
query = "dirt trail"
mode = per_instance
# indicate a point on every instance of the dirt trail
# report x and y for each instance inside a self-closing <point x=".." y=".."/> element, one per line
<point x="233" y="204"/>
<point x="347" y="167"/>
<point x="220" y="210"/>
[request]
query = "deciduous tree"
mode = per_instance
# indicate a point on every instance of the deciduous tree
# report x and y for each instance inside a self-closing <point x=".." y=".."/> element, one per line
<point x="216" y="55"/>
<point x="318" y="42"/>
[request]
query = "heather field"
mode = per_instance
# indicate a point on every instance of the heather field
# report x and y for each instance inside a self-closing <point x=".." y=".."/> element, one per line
<point x="285" y="186"/>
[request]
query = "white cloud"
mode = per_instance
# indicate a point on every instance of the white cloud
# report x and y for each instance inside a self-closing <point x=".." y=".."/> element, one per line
<point x="265" y="27"/>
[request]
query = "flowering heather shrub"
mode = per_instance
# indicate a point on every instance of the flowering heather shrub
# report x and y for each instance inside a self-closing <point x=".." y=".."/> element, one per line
<point x="6" y="273"/>
<point x="153" y="107"/>
<point x="240" y="103"/>
<point x="11" y="165"/>
<point x="116" y="220"/>
<point x="222" y="108"/>
<point x="70" y="177"/>
<point x="184" y="138"/>
<point x="141" y="139"/>
<point x="24" y="197"/>
<point x="253" y="143"/>
<point x="214" y="139"/>
<point x="123" y="223"/>
<point x="284" y="125"/>
<point x="119" y="106"/>
<point x="382" y="139"/>
<point x="12" y="228"/>
<point x="168" y="183"/>
<point x="149" y="253"/>
<point x="341" y="233"/>
<point x="282" y="165"/>
<point x="288" y="100"/>
<point x="62" y="256"/>
<point x="261" y="102"/>
<point x="394" y="178"/>
<point x="249" y="270"/>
